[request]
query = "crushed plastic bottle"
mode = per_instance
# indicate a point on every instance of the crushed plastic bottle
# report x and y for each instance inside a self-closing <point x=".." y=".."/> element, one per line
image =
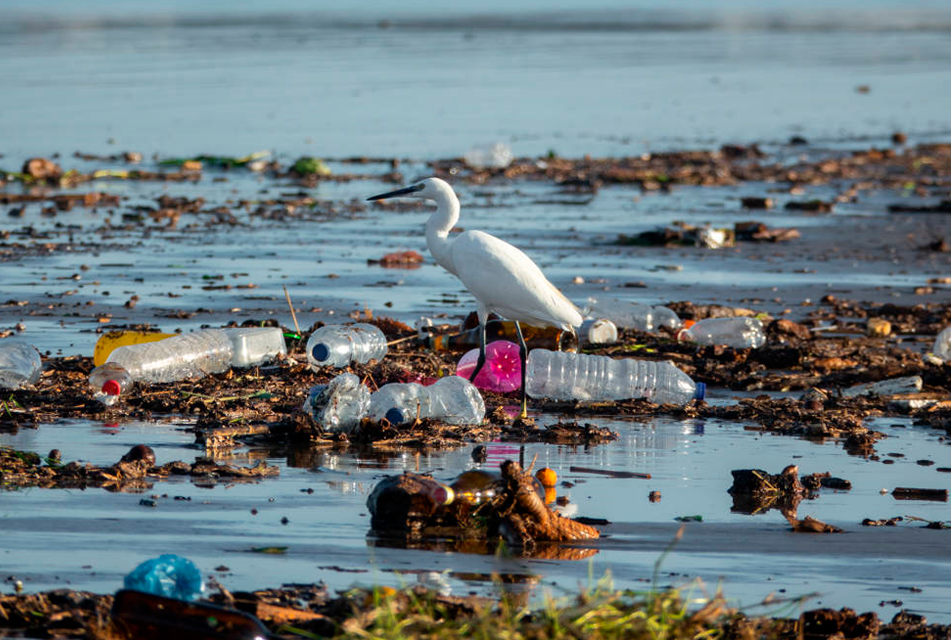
<point x="189" y="355"/>
<point x="337" y="345"/>
<point x="340" y="404"/>
<point x="502" y="371"/>
<point x="894" y="386"/>
<point x="942" y="345"/>
<point x="489" y="156"/>
<point x="597" y="331"/>
<point x="255" y="345"/>
<point x="19" y="364"/>
<point x="398" y="402"/>
<point x="452" y="400"/>
<point x="739" y="333"/>
<point x="455" y="400"/>
<point x="168" y="575"/>
<point x="627" y="314"/>
<point x="577" y="376"/>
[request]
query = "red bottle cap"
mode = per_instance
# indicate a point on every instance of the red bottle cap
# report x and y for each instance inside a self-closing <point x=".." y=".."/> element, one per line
<point x="111" y="387"/>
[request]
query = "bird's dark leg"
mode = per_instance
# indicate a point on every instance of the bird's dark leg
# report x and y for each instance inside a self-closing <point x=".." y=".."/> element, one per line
<point x="523" y="357"/>
<point x="481" y="361"/>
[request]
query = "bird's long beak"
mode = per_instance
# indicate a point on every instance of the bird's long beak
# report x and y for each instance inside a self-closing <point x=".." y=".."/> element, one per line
<point x="398" y="192"/>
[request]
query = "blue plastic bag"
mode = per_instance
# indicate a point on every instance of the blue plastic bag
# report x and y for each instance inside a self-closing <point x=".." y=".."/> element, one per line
<point x="168" y="575"/>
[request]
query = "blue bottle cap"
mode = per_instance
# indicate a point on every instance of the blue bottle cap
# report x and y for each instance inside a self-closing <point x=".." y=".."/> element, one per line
<point x="320" y="352"/>
<point x="395" y="416"/>
<point x="701" y="391"/>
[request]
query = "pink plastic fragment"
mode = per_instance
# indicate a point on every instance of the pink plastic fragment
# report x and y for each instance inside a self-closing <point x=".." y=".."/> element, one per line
<point x="502" y="371"/>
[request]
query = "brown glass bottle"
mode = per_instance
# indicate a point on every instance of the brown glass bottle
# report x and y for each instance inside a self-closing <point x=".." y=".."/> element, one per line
<point x="550" y="338"/>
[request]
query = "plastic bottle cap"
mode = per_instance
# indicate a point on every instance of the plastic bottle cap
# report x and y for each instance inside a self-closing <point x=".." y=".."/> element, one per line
<point x="320" y="352"/>
<point x="443" y="495"/>
<point x="394" y="415"/>
<point x="111" y="387"/>
<point x="701" y="391"/>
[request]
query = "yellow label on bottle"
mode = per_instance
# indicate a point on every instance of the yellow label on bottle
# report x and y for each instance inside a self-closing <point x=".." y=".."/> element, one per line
<point x="114" y="339"/>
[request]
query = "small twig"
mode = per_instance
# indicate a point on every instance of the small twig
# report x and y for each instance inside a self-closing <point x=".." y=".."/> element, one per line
<point x="399" y="340"/>
<point x="293" y="315"/>
<point x="256" y="394"/>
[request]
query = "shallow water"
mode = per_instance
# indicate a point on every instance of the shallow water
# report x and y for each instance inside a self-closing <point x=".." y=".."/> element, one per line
<point x="91" y="538"/>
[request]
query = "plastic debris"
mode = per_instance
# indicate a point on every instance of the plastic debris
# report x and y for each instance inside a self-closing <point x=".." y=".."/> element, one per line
<point x="168" y="575"/>
<point x="502" y="371"/>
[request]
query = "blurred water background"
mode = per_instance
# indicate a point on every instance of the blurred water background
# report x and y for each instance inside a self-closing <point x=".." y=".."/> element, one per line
<point x="406" y="79"/>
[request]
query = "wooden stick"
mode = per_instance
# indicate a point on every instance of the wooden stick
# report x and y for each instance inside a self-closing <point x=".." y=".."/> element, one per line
<point x="608" y="472"/>
<point x="293" y="315"/>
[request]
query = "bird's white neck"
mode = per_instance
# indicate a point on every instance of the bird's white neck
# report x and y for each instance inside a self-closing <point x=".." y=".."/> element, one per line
<point x="438" y="226"/>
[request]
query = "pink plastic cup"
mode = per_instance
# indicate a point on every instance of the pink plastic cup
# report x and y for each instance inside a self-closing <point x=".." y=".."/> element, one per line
<point x="502" y="371"/>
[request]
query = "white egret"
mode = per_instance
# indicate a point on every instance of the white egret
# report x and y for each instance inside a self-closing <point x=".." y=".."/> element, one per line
<point x="501" y="277"/>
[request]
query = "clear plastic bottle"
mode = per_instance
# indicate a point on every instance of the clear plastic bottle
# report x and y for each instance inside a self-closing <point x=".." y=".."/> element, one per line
<point x="168" y="575"/>
<point x="190" y="355"/>
<point x="455" y="400"/>
<point x="893" y="386"/>
<point x="942" y="344"/>
<point x="628" y="314"/>
<point x="255" y="345"/>
<point x="337" y="345"/>
<point x="340" y="404"/>
<point x="452" y="400"/>
<point x="578" y="376"/>
<point x="19" y="364"/>
<point x="739" y="333"/>
<point x="489" y="156"/>
<point x="598" y="331"/>
<point x="399" y="402"/>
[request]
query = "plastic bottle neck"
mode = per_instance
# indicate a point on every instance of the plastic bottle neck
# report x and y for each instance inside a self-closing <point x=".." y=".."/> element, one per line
<point x="320" y="352"/>
<point x="111" y="387"/>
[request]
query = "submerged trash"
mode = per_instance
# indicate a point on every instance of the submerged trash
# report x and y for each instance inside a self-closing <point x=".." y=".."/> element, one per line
<point x="168" y="575"/>
<point x="508" y="505"/>
<point x="489" y="156"/>
<point x="452" y="400"/>
<point x="913" y="493"/>
<point x="337" y="345"/>
<point x="190" y="355"/>
<point x="576" y="376"/>
<point x="628" y="314"/>
<point x="19" y="364"/>
<point x="810" y="525"/>
<point x="340" y="404"/>
<point x="255" y="345"/>
<point x="502" y="371"/>
<point x="738" y="332"/>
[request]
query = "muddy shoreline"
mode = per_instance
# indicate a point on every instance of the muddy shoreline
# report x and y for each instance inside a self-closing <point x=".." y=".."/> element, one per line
<point x="821" y="339"/>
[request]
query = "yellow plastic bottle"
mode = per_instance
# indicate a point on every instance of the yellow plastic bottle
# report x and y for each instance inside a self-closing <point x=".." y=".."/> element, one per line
<point x="114" y="339"/>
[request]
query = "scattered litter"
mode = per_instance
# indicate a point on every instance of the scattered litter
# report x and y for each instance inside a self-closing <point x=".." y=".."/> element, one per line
<point x="911" y="493"/>
<point x="811" y="525"/>
<point x="610" y="472"/>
